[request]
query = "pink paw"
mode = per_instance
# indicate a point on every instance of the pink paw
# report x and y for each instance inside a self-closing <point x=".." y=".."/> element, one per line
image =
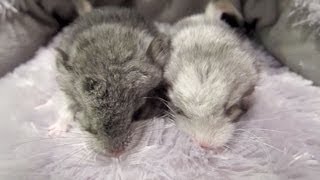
<point x="58" y="128"/>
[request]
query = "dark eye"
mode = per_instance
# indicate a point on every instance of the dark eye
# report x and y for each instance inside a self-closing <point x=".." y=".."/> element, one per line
<point x="94" y="87"/>
<point x="89" y="84"/>
<point x="137" y="115"/>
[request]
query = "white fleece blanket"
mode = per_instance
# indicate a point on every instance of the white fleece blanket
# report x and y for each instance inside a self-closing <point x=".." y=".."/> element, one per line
<point x="279" y="137"/>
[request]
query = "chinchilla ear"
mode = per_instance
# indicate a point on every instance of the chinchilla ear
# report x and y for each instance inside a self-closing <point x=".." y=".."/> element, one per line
<point x="159" y="49"/>
<point x="63" y="60"/>
<point x="230" y="19"/>
<point x="82" y="6"/>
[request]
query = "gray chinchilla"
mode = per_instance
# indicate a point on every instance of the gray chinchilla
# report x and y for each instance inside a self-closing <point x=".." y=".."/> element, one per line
<point x="109" y="61"/>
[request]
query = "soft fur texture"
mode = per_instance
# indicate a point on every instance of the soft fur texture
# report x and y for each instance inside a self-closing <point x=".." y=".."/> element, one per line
<point x="211" y="72"/>
<point x="278" y="138"/>
<point x="109" y="61"/>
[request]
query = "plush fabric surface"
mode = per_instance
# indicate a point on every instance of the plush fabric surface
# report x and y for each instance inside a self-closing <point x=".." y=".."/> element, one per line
<point x="278" y="138"/>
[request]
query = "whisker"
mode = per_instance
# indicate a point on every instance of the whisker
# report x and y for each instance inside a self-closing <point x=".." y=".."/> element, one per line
<point x="90" y="155"/>
<point x="52" y="149"/>
<point x="71" y="131"/>
<point x="85" y="156"/>
<point x="246" y="132"/>
<point x="139" y="131"/>
<point x="265" y="119"/>
<point x="271" y="130"/>
<point x="266" y="152"/>
<point x="275" y="113"/>
<point x="69" y="155"/>
<point x="256" y="138"/>
<point x="16" y="147"/>
<point x="165" y="102"/>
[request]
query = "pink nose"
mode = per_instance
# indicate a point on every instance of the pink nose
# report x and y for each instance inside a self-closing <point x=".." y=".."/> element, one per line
<point x="204" y="146"/>
<point x="117" y="152"/>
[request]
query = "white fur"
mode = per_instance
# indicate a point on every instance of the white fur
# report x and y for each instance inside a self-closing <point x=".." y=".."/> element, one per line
<point x="210" y="68"/>
<point x="65" y="118"/>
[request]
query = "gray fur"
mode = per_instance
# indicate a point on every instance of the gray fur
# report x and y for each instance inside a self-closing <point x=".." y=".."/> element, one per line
<point x="108" y="65"/>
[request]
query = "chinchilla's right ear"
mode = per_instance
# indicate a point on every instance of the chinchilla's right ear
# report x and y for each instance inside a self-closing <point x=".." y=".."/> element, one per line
<point x="63" y="60"/>
<point x="159" y="49"/>
<point x="82" y="6"/>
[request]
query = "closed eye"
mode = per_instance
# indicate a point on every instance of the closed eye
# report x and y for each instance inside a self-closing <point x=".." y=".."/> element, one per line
<point x="94" y="87"/>
<point x="89" y="84"/>
<point x="229" y="111"/>
<point x="234" y="112"/>
<point x="180" y="112"/>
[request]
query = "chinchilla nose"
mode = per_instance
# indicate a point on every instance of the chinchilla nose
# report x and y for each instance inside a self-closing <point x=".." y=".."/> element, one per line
<point x="203" y="145"/>
<point x="117" y="152"/>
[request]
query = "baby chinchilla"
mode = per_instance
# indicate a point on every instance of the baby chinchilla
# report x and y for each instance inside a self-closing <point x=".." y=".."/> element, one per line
<point x="109" y="61"/>
<point x="210" y="73"/>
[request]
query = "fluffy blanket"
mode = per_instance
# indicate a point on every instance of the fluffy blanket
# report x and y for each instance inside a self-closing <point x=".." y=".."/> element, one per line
<point x="278" y="138"/>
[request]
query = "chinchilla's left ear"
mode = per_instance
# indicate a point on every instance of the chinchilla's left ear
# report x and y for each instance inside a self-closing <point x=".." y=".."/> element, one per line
<point x="231" y="20"/>
<point x="225" y="10"/>
<point x="159" y="49"/>
<point x="63" y="60"/>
